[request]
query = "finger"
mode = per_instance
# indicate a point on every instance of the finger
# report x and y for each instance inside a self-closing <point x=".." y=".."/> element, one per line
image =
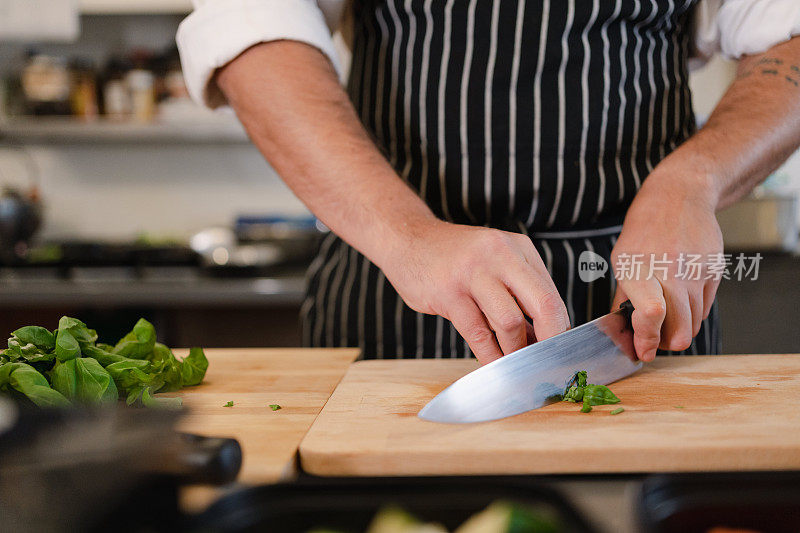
<point x="503" y="314"/>
<point x="676" y="331"/>
<point x="538" y="298"/>
<point x="649" y="312"/>
<point x="468" y="319"/>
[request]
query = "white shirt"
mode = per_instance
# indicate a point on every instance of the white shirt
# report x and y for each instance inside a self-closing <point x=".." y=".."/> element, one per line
<point x="219" y="30"/>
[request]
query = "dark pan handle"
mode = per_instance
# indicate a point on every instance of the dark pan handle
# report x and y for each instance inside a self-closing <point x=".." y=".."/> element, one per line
<point x="209" y="460"/>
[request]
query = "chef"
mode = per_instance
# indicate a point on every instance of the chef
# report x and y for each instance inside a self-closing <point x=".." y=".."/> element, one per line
<point x="480" y="149"/>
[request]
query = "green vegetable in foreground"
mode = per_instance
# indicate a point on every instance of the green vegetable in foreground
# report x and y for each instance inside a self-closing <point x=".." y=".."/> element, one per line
<point x="618" y="410"/>
<point x="578" y="390"/>
<point x="274" y="406"/>
<point x="68" y="366"/>
<point x="228" y="404"/>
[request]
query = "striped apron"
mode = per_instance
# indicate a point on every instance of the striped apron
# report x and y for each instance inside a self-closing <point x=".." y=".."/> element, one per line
<point x="534" y="116"/>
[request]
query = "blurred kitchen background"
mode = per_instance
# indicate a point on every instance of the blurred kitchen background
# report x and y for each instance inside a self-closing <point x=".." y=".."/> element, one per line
<point x="121" y="198"/>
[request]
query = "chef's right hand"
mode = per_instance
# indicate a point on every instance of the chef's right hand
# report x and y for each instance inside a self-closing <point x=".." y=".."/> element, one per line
<point x="485" y="281"/>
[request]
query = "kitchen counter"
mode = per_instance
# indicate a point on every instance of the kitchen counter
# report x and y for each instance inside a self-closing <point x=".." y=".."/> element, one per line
<point x="354" y="434"/>
<point x="120" y="288"/>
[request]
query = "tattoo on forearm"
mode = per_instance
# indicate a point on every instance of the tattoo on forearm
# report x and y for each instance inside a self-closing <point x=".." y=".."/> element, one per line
<point x="773" y="66"/>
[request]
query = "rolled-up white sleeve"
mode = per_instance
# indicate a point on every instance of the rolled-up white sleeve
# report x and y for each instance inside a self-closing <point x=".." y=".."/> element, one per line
<point x="219" y="30"/>
<point x="744" y="27"/>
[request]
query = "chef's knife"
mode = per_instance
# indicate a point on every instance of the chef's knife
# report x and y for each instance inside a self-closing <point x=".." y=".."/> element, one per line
<point x="537" y="374"/>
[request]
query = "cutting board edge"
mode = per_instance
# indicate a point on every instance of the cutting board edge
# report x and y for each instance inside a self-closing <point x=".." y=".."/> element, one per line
<point x="352" y="464"/>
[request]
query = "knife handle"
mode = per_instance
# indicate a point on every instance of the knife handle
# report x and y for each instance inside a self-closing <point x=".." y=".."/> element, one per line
<point x="627" y="311"/>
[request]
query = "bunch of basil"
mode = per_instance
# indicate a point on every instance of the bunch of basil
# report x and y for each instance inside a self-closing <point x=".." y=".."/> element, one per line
<point x="68" y="366"/>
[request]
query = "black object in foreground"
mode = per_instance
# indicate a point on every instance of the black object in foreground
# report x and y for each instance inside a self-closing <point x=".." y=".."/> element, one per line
<point x="350" y="504"/>
<point x="68" y="366"/>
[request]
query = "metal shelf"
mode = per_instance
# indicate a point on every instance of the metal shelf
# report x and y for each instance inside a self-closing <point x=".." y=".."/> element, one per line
<point x="125" y="7"/>
<point x="30" y="292"/>
<point x="71" y="131"/>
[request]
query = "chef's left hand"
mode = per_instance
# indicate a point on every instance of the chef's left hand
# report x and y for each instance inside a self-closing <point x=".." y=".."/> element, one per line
<point x="672" y="213"/>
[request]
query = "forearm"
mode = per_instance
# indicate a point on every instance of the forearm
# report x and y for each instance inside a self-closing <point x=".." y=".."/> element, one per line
<point x="753" y="129"/>
<point x="291" y="103"/>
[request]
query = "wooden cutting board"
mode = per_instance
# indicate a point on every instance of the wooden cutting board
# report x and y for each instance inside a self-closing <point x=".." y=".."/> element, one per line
<point x="299" y="380"/>
<point x="681" y="414"/>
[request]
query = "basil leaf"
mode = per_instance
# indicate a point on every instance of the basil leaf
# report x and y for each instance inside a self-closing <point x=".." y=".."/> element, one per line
<point x="169" y="403"/>
<point x="67" y="346"/>
<point x="574" y="394"/>
<point x="131" y="376"/>
<point x="83" y="380"/>
<point x="105" y="357"/>
<point x="80" y="369"/>
<point x="83" y="335"/>
<point x="193" y="367"/>
<point x="167" y="367"/>
<point x="139" y="342"/>
<point x="38" y="336"/>
<point x="28" y="381"/>
<point x="599" y="395"/>
<point x="25" y="351"/>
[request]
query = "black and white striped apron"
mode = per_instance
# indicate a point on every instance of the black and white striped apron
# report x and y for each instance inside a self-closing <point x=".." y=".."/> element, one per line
<point x="534" y="116"/>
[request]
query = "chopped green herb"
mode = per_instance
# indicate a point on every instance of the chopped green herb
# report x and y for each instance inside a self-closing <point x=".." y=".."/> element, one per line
<point x="229" y="404"/>
<point x="599" y="395"/>
<point x="617" y="411"/>
<point x="679" y="407"/>
<point x="578" y="390"/>
<point x="274" y="406"/>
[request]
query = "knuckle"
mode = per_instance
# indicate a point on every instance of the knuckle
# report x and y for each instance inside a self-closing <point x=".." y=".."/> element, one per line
<point x="524" y="242"/>
<point x="650" y="336"/>
<point x="654" y="309"/>
<point x="549" y="304"/>
<point x="452" y="285"/>
<point x="511" y="322"/>
<point x="495" y="242"/>
<point x="679" y="341"/>
<point x="479" y="336"/>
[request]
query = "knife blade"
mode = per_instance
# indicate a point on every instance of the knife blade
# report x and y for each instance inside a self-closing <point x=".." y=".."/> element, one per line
<point x="536" y="375"/>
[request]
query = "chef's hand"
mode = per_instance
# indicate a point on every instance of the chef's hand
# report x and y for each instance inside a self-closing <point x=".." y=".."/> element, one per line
<point x="485" y="281"/>
<point x="674" y="214"/>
